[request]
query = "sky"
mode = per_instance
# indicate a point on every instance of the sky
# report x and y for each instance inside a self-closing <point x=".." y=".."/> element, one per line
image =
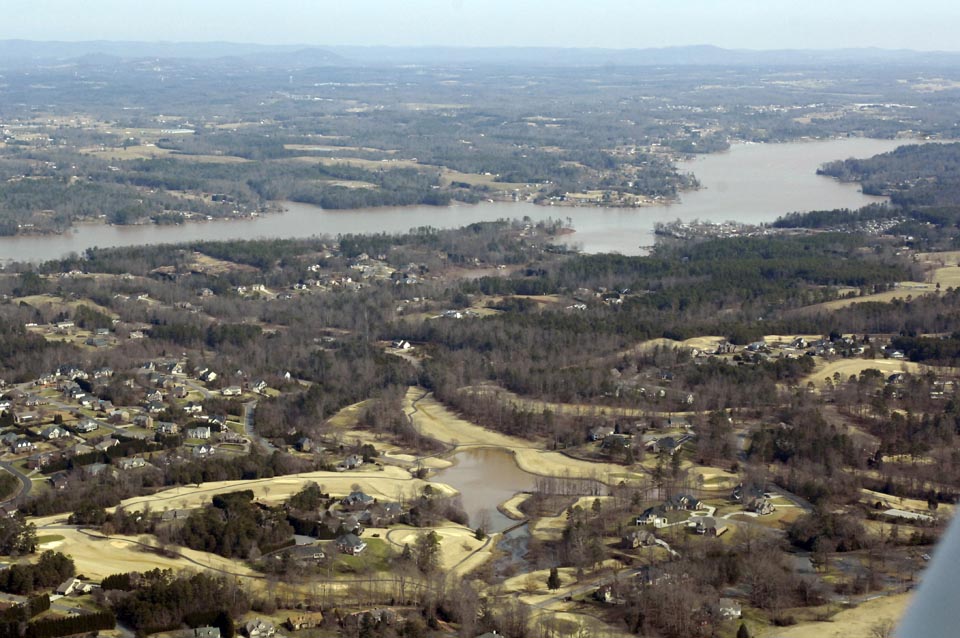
<point x="743" y="24"/>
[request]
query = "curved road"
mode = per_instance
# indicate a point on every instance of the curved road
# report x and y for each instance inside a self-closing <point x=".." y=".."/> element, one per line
<point x="248" y="409"/>
<point x="25" y="483"/>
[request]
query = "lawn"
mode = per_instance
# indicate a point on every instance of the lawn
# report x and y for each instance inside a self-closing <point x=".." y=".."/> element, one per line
<point x="376" y="557"/>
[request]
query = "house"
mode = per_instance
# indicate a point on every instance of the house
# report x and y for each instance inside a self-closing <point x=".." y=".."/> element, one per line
<point x="304" y="621"/>
<point x="231" y="391"/>
<point x="41" y="459"/>
<point x="193" y="408"/>
<point x="686" y="502"/>
<point x="304" y="445"/>
<point x="155" y="407"/>
<point x="79" y="450"/>
<point x="383" y="514"/>
<point x="206" y="632"/>
<point x="199" y="432"/>
<point x="402" y="344"/>
<point x="204" y="450"/>
<point x="729" y="609"/>
<point x="760" y="505"/>
<point x="258" y="628"/>
<point x="74" y="586"/>
<point x="743" y="493"/>
<point x="350" y="544"/>
<point x="131" y="463"/>
<point x="21" y="418"/>
<point x="167" y="428"/>
<point x="173" y="367"/>
<point x="260" y="386"/>
<point x="104" y="405"/>
<point x="655" y="516"/>
<point x="96" y="469"/>
<point x="708" y="526"/>
<point x="607" y="595"/>
<point x="351" y="462"/>
<point x="666" y="444"/>
<point x="59" y="481"/>
<point x="118" y="416"/>
<point x="86" y="425"/>
<point x="143" y="421"/>
<point x="357" y="499"/>
<point x="180" y="392"/>
<point x="638" y="538"/>
<point x="601" y="432"/>
<point x="22" y="445"/>
<point x="106" y="444"/>
<point x="54" y="432"/>
<point x="207" y="375"/>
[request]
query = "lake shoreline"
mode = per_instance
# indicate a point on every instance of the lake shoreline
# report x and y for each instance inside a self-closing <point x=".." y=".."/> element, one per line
<point x="748" y="184"/>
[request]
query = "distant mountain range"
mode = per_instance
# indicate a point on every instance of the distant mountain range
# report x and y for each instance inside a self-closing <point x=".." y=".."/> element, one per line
<point x="27" y="52"/>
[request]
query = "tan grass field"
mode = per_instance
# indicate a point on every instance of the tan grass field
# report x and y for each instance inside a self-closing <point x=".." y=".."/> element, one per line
<point x="388" y="483"/>
<point x="850" y="623"/>
<point x="943" y="268"/>
<point x="909" y="504"/>
<point x="511" y="507"/>
<point x="97" y="558"/>
<point x="853" y="367"/>
<point x="436" y="421"/>
<point x="53" y="301"/>
<point x="214" y="266"/>
<point x="460" y="551"/>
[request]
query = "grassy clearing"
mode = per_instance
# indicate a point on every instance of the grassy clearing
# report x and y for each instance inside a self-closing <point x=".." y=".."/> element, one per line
<point x="376" y="557"/>
<point x="387" y="483"/>
<point x="59" y="303"/>
<point x="97" y="558"/>
<point x="851" y="623"/>
<point x="459" y="548"/>
<point x="853" y="367"/>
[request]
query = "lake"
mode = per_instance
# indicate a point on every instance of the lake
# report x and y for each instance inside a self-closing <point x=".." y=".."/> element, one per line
<point x="485" y="478"/>
<point x="750" y="183"/>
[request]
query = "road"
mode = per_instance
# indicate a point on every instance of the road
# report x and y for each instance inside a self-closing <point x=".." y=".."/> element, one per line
<point x="25" y="483"/>
<point x="248" y="409"/>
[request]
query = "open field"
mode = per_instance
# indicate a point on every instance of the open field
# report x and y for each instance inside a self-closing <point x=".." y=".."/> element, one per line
<point x="97" y="557"/>
<point x="511" y="507"/>
<point x="436" y="421"/>
<point x="388" y="483"/>
<point x="850" y="623"/>
<point x="944" y="269"/>
<point x="459" y="549"/>
<point x="53" y="301"/>
<point x="853" y="367"/>
<point x="558" y="408"/>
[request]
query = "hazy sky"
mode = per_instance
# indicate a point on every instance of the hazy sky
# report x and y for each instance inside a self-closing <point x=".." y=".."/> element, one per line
<point x="751" y="24"/>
